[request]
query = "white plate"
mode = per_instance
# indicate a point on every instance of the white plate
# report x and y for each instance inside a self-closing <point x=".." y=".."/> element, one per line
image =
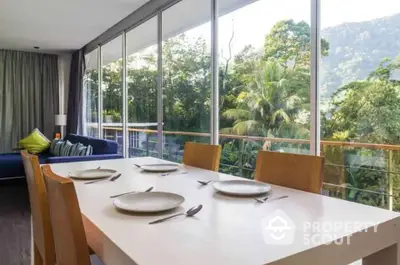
<point x="149" y="202"/>
<point x="93" y="173"/>
<point x="160" y="167"/>
<point x="241" y="187"/>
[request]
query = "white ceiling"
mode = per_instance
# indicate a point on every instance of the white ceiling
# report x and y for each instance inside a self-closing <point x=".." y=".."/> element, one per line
<point x="179" y="18"/>
<point x="58" y="25"/>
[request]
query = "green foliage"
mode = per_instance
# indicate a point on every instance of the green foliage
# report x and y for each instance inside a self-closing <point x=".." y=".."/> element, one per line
<point x="187" y="79"/>
<point x="290" y="42"/>
<point x="368" y="110"/>
<point x="266" y="93"/>
<point x="356" y="49"/>
<point x="268" y="102"/>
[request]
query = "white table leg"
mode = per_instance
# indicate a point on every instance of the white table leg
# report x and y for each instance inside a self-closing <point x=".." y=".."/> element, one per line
<point x="386" y="256"/>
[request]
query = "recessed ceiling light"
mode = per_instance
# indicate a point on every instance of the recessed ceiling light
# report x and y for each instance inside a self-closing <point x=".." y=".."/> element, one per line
<point x="36" y="47"/>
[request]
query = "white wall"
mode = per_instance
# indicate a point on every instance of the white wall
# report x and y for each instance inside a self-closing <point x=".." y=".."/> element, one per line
<point x="64" y="64"/>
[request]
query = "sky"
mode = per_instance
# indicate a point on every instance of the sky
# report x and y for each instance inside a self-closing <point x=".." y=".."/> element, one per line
<point x="252" y="22"/>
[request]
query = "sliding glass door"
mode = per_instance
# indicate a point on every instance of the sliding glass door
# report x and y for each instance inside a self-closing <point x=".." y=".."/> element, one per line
<point x="141" y="81"/>
<point x="111" y="91"/>
<point x="287" y="73"/>
<point x="360" y="100"/>
<point x="90" y="111"/>
<point x="186" y="65"/>
<point x="264" y="88"/>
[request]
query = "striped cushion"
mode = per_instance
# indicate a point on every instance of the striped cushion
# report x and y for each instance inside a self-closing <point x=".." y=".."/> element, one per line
<point x="75" y="149"/>
<point x="80" y="150"/>
<point x="55" y="147"/>
<point x="66" y="148"/>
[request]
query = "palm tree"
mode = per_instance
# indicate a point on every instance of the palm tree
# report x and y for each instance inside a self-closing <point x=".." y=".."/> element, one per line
<point x="270" y="103"/>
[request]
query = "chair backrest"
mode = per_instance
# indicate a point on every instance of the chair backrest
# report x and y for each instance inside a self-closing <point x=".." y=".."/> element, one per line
<point x="302" y="172"/>
<point x="205" y="156"/>
<point x="41" y="224"/>
<point x="66" y="219"/>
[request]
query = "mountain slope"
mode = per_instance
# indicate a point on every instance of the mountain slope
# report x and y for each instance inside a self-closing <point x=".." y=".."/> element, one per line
<point x="356" y="49"/>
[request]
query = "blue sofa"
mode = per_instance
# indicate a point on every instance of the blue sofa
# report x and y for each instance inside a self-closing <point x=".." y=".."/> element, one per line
<point x="11" y="163"/>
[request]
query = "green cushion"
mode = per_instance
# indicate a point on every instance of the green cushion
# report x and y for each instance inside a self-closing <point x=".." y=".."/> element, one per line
<point x="35" y="142"/>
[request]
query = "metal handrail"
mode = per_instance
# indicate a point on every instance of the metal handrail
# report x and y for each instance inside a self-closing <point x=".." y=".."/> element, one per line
<point x="345" y="186"/>
<point x="272" y="140"/>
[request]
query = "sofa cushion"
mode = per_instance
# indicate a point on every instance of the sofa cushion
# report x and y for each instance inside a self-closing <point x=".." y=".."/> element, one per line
<point x="100" y="146"/>
<point x="35" y="142"/>
<point x="66" y="148"/>
<point x="55" y="147"/>
<point x="79" y="149"/>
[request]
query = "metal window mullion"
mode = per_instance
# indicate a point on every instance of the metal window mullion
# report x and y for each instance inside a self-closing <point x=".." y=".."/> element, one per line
<point x="315" y="81"/>
<point x="214" y="113"/>
<point x="99" y="93"/>
<point x="125" y="143"/>
<point x="159" y="87"/>
<point x="86" y="87"/>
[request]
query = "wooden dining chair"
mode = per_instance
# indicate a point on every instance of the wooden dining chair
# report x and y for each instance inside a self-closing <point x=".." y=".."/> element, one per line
<point x="68" y="230"/>
<point x="205" y="156"/>
<point x="302" y="172"/>
<point x="43" y="244"/>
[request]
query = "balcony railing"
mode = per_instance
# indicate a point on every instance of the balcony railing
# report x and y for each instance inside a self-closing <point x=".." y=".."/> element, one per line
<point x="362" y="172"/>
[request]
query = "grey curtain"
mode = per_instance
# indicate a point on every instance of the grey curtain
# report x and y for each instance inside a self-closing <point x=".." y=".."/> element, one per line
<point x="75" y="94"/>
<point x="28" y="95"/>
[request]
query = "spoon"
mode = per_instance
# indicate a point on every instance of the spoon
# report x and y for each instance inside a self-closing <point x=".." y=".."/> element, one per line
<point x="191" y="212"/>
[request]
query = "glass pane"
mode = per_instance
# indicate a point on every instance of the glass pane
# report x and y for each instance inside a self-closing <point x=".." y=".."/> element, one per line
<point x="90" y="95"/>
<point x="111" y="88"/>
<point x="360" y="95"/>
<point x="186" y="76"/>
<point x="264" y="80"/>
<point x="142" y="89"/>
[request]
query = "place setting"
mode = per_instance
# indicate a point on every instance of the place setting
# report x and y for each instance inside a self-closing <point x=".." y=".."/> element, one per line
<point x="158" y="168"/>
<point x="149" y="202"/>
<point x="258" y="191"/>
<point x="165" y="169"/>
<point x="243" y="188"/>
<point x="95" y="175"/>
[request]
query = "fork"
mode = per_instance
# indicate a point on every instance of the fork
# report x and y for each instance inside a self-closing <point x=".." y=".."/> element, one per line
<point x="262" y="200"/>
<point x="272" y="199"/>
<point x="129" y="192"/>
<point x="204" y="183"/>
<point x="110" y="179"/>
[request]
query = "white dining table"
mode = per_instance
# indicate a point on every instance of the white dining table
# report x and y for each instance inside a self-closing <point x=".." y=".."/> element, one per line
<point x="229" y="230"/>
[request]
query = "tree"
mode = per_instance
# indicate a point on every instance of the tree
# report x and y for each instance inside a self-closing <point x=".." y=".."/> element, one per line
<point x="266" y="106"/>
<point x="186" y="84"/>
<point x="368" y="110"/>
<point x="290" y="43"/>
